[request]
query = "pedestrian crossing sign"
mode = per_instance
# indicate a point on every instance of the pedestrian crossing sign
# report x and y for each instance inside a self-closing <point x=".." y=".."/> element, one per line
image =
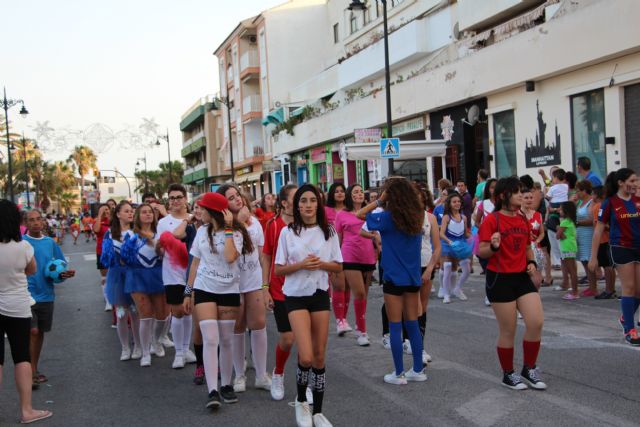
<point x="389" y="148"/>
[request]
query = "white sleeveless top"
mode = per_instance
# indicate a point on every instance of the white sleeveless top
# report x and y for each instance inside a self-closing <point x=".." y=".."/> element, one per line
<point x="427" y="247"/>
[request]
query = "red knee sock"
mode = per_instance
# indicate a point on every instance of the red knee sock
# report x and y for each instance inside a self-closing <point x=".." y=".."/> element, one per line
<point x="338" y="304"/>
<point x="347" y="298"/>
<point x="360" y="307"/>
<point x="530" y="349"/>
<point x="506" y="358"/>
<point x="281" y="360"/>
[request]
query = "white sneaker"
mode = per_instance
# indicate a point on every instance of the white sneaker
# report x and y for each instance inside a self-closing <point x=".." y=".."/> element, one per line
<point x="263" y="383"/>
<point x="446" y="299"/>
<point x="136" y="353"/>
<point x="126" y="354"/>
<point x="440" y="292"/>
<point x="277" y="386"/>
<point x="303" y="414"/>
<point x="341" y="327"/>
<point x="320" y="420"/>
<point x="386" y="341"/>
<point x="166" y="342"/>
<point x="108" y="307"/>
<point x="347" y="326"/>
<point x="426" y="357"/>
<point x="240" y="384"/>
<point x="189" y="357"/>
<point x="392" y="378"/>
<point x="309" y="395"/>
<point x="157" y="349"/>
<point x="487" y="302"/>
<point x="145" y="361"/>
<point x="178" y="361"/>
<point x="406" y="347"/>
<point x="363" y="340"/>
<point x="412" y="375"/>
<point x="459" y="294"/>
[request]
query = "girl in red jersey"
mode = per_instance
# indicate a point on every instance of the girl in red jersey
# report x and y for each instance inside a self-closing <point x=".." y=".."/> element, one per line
<point x="621" y="211"/>
<point x="505" y="241"/>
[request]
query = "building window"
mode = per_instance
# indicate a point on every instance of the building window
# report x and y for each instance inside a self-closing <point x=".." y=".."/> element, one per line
<point x="504" y="134"/>
<point x="336" y="33"/>
<point x="587" y="123"/>
<point x="353" y="20"/>
<point x="110" y="190"/>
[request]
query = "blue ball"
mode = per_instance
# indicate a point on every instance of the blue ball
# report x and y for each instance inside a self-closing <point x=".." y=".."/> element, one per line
<point x="54" y="268"/>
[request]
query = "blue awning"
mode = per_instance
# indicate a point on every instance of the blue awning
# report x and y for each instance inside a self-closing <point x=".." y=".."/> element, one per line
<point x="274" y="117"/>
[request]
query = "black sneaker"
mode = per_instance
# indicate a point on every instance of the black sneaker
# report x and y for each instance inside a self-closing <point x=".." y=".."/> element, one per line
<point x="228" y="395"/>
<point x="513" y="381"/>
<point x="533" y="378"/>
<point x="606" y="295"/>
<point x="214" y="400"/>
<point x="632" y="338"/>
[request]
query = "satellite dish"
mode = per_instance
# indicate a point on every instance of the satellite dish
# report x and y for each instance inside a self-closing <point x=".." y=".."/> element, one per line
<point x="278" y="104"/>
<point x="473" y="115"/>
<point x="456" y="31"/>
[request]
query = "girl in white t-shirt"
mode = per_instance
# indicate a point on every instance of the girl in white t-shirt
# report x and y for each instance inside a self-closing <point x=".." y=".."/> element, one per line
<point x="214" y="276"/>
<point x="307" y="251"/>
<point x="252" y="312"/>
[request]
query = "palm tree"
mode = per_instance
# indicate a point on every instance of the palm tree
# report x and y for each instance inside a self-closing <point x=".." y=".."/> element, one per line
<point x="57" y="178"/>
<point x="67" y="201"/>
<point x="84" y="160"/>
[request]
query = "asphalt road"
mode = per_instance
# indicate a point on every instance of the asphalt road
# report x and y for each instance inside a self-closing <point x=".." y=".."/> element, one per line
<point x="591" y="373"/>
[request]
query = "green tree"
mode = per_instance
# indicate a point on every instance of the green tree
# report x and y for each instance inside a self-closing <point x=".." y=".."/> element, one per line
<point x="57" y="178"/>
<point x="84" y="160"/>
<point x="67" y="201"/>
<point x="158" y="179"/>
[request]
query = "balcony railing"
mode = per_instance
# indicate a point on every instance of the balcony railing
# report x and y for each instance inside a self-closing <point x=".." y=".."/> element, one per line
<point x="193" y="138"/>
<point x="249" y="59"/>
<point x="251" y="104"/>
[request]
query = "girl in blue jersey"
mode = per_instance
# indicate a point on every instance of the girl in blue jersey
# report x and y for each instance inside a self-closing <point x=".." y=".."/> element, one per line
<point x="453" y="229"/>
<point x="143" y="279"/>
<point x="621" y="212"/>
<point x="117" y="271"/>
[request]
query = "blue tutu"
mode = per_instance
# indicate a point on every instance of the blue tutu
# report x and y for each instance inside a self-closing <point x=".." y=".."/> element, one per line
<point x="144" y="280"/>
<point x="114" y="288"/>
<point x="459" y="248"/>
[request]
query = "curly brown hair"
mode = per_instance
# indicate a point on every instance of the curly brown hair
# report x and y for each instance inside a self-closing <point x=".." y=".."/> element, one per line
<point x="403" y="201"/>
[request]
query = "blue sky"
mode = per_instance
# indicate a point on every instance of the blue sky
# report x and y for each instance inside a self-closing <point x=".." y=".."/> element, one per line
<point x="76" y="63"/>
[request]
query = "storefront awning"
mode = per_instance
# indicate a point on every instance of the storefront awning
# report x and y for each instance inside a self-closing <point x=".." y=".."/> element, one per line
<point x="409" y="150"/>
<point x="275" y="117"/>
<point x="249" y="177"/>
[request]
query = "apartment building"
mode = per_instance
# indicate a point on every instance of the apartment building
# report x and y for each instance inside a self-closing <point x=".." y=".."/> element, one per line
<point x="201" y="127"/>
<point x="262" y="58"/>
<point x="509" y="85"/>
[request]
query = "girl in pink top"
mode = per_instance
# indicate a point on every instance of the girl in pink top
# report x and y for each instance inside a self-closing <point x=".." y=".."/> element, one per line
<point x="359" y="258"/>
<point x="340" y="292"/>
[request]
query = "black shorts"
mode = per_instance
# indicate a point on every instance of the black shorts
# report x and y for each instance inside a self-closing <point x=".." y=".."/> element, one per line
<point x="507" y="287"/>
<point x="621" y="255"/>
<point x="544" y="243"/>
<point x="99" y="264"/>
<point x="388" y="287"/>
<point x="42" y="316"/>
<point x="433" y="272"/>
<point x="319" y="301"/>
<point x="604" y="255"/>
<point x="225" y="300"/>
<point x="357" y="266"/>
<point x="282" y="316"/>
<point x="174" y="294"/>
<point x="18" y="333"/>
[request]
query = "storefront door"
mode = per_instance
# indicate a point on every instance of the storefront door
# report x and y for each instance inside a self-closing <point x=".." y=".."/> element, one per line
<point x="632" y="125"/>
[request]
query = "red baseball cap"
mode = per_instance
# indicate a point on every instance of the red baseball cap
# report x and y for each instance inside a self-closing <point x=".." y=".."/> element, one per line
<point x="214" y="201"/>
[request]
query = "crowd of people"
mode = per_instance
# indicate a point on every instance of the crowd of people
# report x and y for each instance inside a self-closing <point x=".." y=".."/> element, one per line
<point x="208" y="272"/>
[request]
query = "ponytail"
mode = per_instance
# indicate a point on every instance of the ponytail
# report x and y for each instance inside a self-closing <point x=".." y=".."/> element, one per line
<point x="611" y="183"/>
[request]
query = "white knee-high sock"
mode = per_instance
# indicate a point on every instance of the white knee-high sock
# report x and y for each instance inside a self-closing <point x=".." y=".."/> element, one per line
<point x="135" y="328"/>
<point x="158" y="328"/>
<point x="225" y="327"/>
<point x="446" y="278"/>
<point x="259" y="351"/>
<point x="177" y="331"/>
<point x="465" y="264"/>
<point x="187" y="331"/>
<point x="210" y="340"/>
<point x="238" y="354"/>
<point x="167" y="326"/>
<point x="123" y="332"/>
<point x="146" y="331"/>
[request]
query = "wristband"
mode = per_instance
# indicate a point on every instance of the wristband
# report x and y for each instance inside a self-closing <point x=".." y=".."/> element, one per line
<point x="187" y="290"/>
<point x="265" y="286"/>
<point x="228" y="230"/>
<point x="494" y="248"/>
<point x="535" y="264"/>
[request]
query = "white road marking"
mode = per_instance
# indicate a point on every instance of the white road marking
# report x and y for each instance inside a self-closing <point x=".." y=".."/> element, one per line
<point x="487" y="408"/>
<point x="89" y="257"/>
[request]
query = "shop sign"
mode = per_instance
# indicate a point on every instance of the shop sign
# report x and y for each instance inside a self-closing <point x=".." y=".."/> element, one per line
<point x="447" y="128"/>
<point x="539" y="150"/>
<point x="270" y="165"/>
<point x="410" y="126"/>
<point x="338" y="171"/>
<point x="243" y="171"/>
<point x="318" y="155"/>
<point x="363" y="136"/>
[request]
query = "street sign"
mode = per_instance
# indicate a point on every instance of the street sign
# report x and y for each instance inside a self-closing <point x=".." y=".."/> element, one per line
<point x="389" y="148"/>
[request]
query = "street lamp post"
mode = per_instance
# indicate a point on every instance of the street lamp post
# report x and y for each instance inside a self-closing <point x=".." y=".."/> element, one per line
<point x="6" y="104"/>
<point x="26" y="176"/>
<point x="166" y="138"/>
<point x="358" y="5"/>
<point x="146" y="176"/>
<point x="227" y="103"/>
